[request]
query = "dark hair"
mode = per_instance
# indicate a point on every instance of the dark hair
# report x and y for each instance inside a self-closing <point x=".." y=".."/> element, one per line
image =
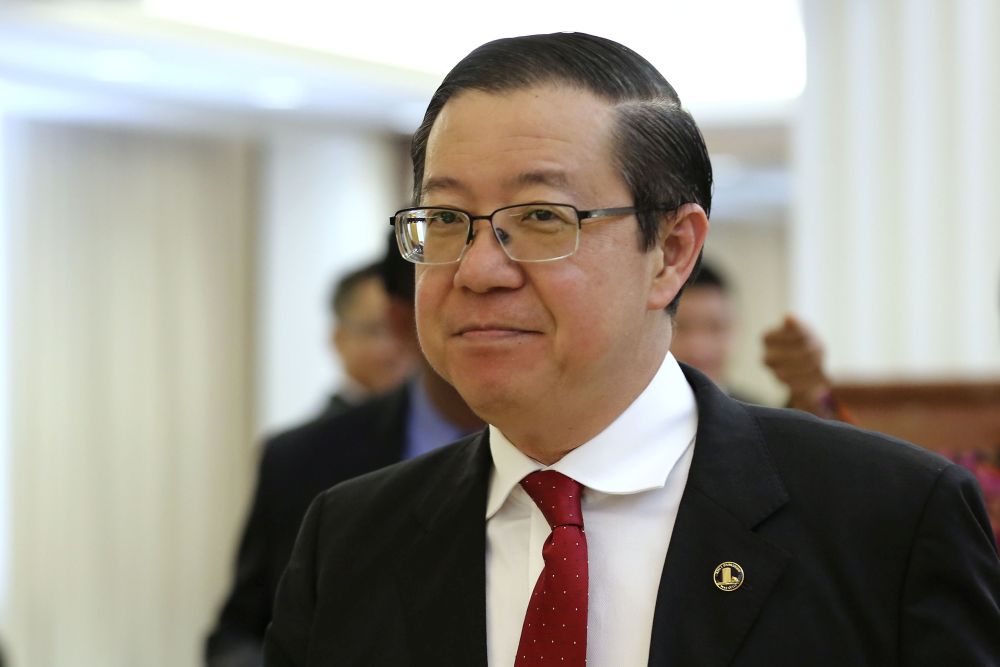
<point x="397" y="273"/>
<point x="708" y="276"/>
<point x="660" y="151"/>
<point x="344" y="289"/>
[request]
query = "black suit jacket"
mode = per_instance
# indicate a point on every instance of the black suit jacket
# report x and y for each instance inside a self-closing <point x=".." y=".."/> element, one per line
<point x="338" y="405"/>
<point x="296" y="466"/>
<point x="857" y="550"/>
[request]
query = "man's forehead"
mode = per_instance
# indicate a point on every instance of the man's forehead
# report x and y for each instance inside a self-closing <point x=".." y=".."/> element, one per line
<point x="540" y="135"/>
<point x="553" y="111"/>
<point x="552" y="178"/>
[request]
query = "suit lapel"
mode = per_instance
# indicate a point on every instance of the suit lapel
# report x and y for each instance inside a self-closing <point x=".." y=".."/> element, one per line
<point x="732" y="488"/>
<point x="443" y="579"/>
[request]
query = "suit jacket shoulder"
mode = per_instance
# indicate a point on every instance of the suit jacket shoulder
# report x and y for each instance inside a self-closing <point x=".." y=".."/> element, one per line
<point x="856" y="549"/>
<point x="295" y="466"/>
<point x="371" y="433"/>
<point x="404" y="545"/>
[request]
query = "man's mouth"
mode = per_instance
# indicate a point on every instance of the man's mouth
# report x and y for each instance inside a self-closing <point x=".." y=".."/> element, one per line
<point x="492" y="331"/>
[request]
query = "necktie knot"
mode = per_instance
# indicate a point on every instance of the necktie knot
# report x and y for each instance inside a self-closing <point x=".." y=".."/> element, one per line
<point x="556" y="495"/>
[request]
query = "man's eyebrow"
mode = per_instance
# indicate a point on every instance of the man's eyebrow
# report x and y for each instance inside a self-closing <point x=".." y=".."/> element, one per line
<point x="436" y="183"/>
<point x="551" y="178"/>
<point x="548" y="177"/>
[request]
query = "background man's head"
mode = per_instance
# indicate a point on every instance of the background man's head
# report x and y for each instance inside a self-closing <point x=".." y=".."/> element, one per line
<point x="371" y="354"/>
<point x="659" y="150"/>
<point x="705" y="324"/>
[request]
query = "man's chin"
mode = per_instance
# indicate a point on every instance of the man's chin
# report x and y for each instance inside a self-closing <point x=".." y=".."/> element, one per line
<point x="492" y="401"/>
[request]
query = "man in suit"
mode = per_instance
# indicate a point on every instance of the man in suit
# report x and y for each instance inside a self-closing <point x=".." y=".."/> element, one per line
<point x="562" y="198"/>
<point x="375" y="359"/>
<point x="414" y="418"/>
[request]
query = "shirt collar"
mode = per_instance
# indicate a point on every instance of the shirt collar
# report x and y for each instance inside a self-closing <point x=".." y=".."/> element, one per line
<point x="636" y="452"/>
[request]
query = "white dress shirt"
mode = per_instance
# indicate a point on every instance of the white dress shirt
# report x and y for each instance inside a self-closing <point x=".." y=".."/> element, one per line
<point x="633" y="474"/>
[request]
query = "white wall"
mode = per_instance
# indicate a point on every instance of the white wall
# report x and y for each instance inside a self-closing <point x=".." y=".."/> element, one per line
<point x="326" y="202"/>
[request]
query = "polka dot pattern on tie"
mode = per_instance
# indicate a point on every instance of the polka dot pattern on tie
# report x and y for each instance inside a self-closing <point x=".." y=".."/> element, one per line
<point x="555" y="623"/>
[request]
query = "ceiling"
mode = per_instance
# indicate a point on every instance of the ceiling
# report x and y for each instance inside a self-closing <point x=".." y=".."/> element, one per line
<point x="118" y="63"/>
<point x="64" y="61"/>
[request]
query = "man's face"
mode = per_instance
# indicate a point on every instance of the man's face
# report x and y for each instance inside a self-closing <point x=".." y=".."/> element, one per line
<point x="703" y="331"/>
<point x="368" y="350"/>
<point x="532" y="339"/>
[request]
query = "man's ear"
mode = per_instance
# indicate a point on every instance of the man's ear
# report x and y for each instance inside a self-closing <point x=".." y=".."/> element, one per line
<point x="682" y="235"/>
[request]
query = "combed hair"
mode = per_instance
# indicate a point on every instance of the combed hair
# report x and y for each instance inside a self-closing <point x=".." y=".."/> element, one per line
<point x="650" y="134"/>
<point x="397" y="273"/>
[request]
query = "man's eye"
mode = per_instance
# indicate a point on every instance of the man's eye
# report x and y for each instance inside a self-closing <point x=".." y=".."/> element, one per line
<point x="447" y="217"/>
<point x="539" y="214"/>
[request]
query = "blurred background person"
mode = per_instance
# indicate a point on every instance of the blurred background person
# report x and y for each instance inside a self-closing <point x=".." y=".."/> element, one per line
<point x="705" y="328"/>
<point x="417" y="417"/>
<point x="374" y="358"/>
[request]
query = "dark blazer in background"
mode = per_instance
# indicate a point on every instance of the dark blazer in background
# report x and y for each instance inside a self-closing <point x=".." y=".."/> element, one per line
<point x="296" y="466"/>
<point x="858" y="550"/>
<point x="336" y="405"/>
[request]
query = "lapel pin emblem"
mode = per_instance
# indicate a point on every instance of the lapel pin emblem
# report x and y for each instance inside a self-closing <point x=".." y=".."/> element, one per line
<point x="728" y="576"/>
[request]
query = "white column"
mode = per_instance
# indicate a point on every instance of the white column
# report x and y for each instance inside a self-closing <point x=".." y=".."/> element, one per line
<point x="5" y="428"/>
<point x="896" y="225"/>
<point x="327" y="198"/>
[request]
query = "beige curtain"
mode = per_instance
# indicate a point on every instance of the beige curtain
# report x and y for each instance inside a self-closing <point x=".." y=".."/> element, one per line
<point x="131" y="443"/>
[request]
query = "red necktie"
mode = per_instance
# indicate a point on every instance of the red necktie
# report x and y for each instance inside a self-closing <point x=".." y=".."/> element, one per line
<point x="555" y="624"/>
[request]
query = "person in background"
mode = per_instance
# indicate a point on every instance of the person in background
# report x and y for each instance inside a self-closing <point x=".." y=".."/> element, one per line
<point x="794" y="353"/>
<point x="619" y="509"/>
<point x="416" y="417"/>
<point x="705" y="333"/>
<point x="374" y="359"/>
<point x="705" y="327"/>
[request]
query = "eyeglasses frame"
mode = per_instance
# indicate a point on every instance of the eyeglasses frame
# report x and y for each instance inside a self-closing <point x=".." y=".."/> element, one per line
<point x="581" y="217"/>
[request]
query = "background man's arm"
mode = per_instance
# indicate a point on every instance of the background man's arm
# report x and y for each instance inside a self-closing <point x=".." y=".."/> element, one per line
<point x="794" y="353"/>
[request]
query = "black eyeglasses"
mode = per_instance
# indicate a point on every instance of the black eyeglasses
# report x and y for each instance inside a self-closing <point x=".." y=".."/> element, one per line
<point x="540" y="232"/>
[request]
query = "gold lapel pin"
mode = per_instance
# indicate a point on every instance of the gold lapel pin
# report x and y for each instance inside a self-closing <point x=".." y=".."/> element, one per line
<point x="728" y="576"/>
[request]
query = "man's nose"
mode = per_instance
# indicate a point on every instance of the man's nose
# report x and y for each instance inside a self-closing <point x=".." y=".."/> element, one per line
<point x="485" y="265"/>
